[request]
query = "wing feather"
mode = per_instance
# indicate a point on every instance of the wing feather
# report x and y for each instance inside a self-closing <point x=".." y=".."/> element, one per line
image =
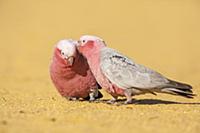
<point x="125" y="73"/>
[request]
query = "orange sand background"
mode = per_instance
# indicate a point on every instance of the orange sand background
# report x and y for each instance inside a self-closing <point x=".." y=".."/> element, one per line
<point x="161" y="34"/>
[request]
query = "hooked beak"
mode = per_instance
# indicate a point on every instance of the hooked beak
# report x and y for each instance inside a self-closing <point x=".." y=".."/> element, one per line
<point x="70" y="60"/>
<point x="75" y="42"/>
<point x="78" y="43"/>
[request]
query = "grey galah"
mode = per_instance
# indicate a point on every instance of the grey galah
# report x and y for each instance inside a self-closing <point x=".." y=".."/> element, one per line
<point x="121" y="76"/>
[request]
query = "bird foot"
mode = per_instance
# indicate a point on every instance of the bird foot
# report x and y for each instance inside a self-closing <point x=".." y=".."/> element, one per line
<point x="92" y="99"/>
<point x="111" y="101"/>
<point x="128" y="101"/>
<point x="95" y="101"/>
<point x="95" y="95"/>
<point x="72" y="98"/>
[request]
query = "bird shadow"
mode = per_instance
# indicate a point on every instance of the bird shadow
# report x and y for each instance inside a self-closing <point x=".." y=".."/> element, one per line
<point x="150" y="102"/>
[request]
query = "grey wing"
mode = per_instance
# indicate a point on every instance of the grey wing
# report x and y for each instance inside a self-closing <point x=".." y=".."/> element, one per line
<point x="125" y="73"/>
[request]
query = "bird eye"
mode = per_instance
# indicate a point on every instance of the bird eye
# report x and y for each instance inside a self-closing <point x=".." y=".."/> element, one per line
<point x="84" y="41"/>
<point x="62" y="53"/>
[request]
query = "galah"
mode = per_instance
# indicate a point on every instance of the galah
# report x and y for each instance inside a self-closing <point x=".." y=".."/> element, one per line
<point x="71" y="74"/>
<point x="121" y="76"/>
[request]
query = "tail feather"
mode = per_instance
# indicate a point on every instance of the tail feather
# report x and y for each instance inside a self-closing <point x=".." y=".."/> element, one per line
<point x="175" y="91"/>
<point x="179" y="85"/>
<point x="177" y="88"/>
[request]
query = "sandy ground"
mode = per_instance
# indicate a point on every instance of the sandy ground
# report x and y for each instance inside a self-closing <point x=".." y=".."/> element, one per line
<point x="163" y="35"/>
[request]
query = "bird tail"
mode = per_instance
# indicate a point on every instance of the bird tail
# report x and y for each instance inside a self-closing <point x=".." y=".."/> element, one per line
<point x="177" y="88"/>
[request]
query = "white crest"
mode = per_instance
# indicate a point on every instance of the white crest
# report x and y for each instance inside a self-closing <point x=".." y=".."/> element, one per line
<point x="90" y="37"/>
<point x="84" y="39"/>
<point x="67" y="47"/>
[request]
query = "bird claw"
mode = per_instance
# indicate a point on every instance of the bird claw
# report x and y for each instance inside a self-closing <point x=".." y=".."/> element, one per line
<point x="111" y="101"/>
<point x="128" y="102"/>
<point x="92" y="99"/>
<point x="72" y="98"/>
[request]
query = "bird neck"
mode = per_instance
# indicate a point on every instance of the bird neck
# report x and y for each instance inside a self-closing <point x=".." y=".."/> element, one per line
<point x="59" y="62"/>
<point x="93" y="58"/>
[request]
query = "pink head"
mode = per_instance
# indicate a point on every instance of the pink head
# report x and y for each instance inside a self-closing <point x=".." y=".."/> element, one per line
<point x="65" y="51"/>
<point x="88" y="44"/>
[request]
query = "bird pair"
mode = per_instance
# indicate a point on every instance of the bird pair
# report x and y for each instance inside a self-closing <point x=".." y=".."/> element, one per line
<point x="78" y="68"/>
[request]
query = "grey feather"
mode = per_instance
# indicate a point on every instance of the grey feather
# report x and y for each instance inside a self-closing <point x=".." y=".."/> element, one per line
<point x="126" y="74"/>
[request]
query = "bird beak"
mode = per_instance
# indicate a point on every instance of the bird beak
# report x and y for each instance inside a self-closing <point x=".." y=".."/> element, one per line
<point x="78" y="43"/>
<point x="70" y="60"/>
<point x="75" y="42"/>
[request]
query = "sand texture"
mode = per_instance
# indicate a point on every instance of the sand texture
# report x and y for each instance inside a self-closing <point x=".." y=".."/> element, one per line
<point x="161" y="34"/>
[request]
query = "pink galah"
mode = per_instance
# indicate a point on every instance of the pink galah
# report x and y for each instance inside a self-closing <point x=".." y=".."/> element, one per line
<point x="121" y="76"/>
<point x="71" y="74"/>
